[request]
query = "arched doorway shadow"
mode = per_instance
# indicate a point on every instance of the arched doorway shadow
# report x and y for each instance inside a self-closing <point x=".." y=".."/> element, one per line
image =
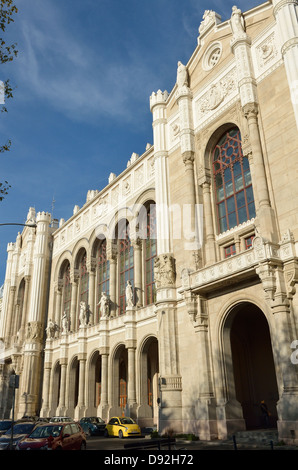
<point x="250" y="359"/>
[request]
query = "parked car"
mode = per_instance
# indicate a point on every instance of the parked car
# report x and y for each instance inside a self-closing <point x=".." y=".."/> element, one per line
<point x="122" y="427"/>
<point x="61" y="419"/>
<point x="42" y="420"/>
<point x="5" y="424"/>
<point x="29" y="418"/>
<point x="93" y="425"/>
<point x="20" y="430"/>
<point x="54" y="436"/>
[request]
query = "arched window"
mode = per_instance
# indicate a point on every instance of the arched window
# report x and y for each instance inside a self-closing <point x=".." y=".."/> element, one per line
<point x="150" y="253"/>
<point x="126" y="263"/>
<point x="103" y="273"/>
<point x="84" y="279"/>
<point x="66" y="299"/>
<point x="232" y="181"/>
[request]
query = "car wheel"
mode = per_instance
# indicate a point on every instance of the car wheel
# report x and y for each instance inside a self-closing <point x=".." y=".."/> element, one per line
<point x="83" y="445"/>
<point x="120" y="434"/>
<point x="89" y="432"/>
<point x="106" y="433"/>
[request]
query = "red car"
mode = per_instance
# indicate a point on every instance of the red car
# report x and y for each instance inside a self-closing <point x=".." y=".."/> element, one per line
<point x="55" y="436"/>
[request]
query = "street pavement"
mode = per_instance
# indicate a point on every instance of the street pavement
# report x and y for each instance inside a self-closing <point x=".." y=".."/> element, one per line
<point x="115" y="444"/>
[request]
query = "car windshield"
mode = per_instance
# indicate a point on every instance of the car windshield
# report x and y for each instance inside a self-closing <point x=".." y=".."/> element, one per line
<point x="5" y="425"/>
<point x="46" y="431"/>
<point x="96" y="420"/>
<point x="21" y="428"/>
<point x="126" y="421"/>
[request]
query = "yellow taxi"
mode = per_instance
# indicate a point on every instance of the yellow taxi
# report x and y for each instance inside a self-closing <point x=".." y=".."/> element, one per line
<point x="122" y="427"/>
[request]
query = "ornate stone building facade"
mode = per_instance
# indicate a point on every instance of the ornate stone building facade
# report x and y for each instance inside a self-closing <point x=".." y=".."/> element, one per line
<point x="171" y="294"/>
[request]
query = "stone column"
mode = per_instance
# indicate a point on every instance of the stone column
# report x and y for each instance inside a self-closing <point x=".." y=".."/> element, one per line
<point x="10" y="312"/>
<point x="81" y="397"/>
<point x="25" y="307"/>
<point x="91" y="264"/>
<point x="74" y="278"/>
<point x="131" y="376"/>
<point x="103" y="406"/>
<point x="286" y="13"/>
<point x="240" y="45"/>
<point x="62" y="394"/>
<point x="103" y="330"/>
<point x="158" y="109"/>
<point x="46" y="390"/>
<point x="210" y="245"/>
<point x="137" y="253"/>
<point x="189" y="216"/>
<point x="58" y="313"/>
<point x="33" y="347"/>
<point x="170" y="379"/>
<point x="112" y="257"/>
<point x="131" y="342"/>
<point x="164" y="274"/>
<point x="206" y="405"/>
<point x="82" y="356"/>
<point x="6" y="290"/>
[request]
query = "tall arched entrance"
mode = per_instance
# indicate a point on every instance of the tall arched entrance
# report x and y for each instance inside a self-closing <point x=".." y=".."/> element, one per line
<point x="253" y="370"/>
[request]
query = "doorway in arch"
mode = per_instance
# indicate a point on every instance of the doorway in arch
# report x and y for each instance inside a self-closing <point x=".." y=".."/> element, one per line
<point x="253" y="365"/>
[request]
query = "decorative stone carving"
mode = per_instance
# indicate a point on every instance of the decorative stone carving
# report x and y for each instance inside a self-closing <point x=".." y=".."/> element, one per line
<point x="237" y="23"/>
<point x="266" y="51"/>
<point x="266" y="272"/>
<point x="210" y="18"/>
<point x="182" y="76"/>
<point x="217" y="93"/>
<point x="83" y="314"/>
<point x="65" y="323"/>
<point x="104" y="305"/>
<point x="129" y="294"/>
<point x="50" y="330"/>
<point x="164" y="271"/>
<point x="175" y="130"/>
<point x="34" y="331"/>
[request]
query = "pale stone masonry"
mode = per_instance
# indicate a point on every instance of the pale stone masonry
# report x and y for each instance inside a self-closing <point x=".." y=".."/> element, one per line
<point x="171" y="294"/>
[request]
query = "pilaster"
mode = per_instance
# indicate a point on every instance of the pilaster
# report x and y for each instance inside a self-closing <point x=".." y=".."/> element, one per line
<point x="36" y="318"/>
<point x="286" y="14"/>
<point x="158" y="109"/>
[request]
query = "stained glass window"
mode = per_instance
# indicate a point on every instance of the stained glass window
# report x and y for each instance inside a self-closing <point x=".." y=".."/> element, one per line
<point x="84" y="281"/>
<point x="126" y="266"/>
<point x="150" y="253"/>
<point x="232" y="180"/>
<point x="103" y="273"/>
<point x="66" y="291"/>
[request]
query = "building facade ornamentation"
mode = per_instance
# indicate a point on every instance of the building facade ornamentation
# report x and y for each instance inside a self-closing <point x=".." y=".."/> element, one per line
<point x="171" y="294"/>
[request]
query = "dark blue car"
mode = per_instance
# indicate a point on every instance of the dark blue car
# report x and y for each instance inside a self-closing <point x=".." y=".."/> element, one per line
<point x="93" y="426"/>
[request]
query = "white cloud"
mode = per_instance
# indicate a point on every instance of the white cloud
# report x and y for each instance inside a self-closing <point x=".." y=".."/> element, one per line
<point x="80" y="80"/>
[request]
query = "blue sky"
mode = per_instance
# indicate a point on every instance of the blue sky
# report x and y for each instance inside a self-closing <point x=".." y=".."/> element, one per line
<point x="83" y="78"/>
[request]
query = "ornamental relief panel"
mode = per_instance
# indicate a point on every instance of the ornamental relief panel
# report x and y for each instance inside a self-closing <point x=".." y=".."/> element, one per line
<point x="266" y="51"/>
<point x="265" y="55"/>
<point x="173" y="131"/>
<point x="218" y="96"/>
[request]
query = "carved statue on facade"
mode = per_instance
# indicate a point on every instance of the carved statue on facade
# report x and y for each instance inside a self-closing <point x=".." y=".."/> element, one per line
<point x="182" y="75"/>
<point x="83" y="314"/>
<point x="104" y="305"/>
<point x="50" y="330"/>
<point x="129" y="294"/>
<point x="65" y="325"/>
<point x="237" y="22"/>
